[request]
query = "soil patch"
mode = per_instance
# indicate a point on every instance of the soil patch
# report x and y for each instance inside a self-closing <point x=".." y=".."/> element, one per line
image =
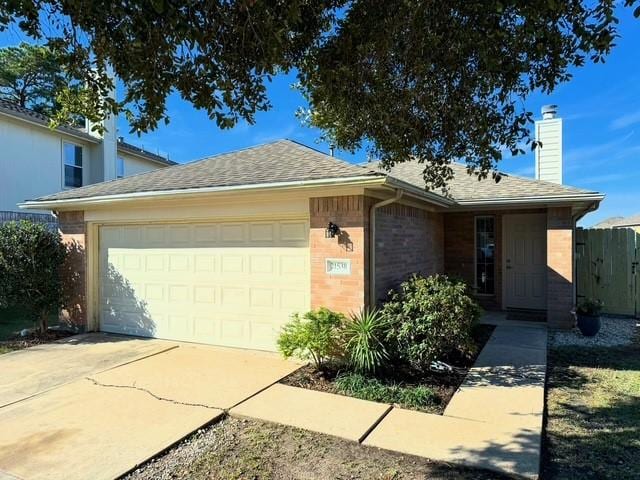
<point x="32" y="339"/>
<point x="248" y="449"/>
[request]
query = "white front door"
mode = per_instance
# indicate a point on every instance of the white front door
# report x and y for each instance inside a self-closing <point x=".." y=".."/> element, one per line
<point x="525" y="261"/>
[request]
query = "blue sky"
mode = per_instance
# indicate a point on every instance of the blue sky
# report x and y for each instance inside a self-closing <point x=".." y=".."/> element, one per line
<point x="600" y="107"/>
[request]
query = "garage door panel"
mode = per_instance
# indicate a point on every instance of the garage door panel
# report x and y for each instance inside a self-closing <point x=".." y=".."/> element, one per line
<point x="294" y="300"/>
<point x="294" y="232"/>
<point x="231" y="283"/>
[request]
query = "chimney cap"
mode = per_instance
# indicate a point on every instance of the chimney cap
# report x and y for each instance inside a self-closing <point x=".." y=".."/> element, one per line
<point x="549" y="111"/>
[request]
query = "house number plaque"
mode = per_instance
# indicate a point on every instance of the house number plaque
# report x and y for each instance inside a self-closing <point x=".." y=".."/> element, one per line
<point x="338" y="266"/>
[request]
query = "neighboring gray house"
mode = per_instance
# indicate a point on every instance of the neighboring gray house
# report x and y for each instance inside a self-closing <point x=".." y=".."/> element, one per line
<point x="632" y="221"/>
<point x="36" y="160"/>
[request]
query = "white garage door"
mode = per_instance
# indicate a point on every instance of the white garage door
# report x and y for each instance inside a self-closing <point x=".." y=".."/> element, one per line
<point x="224" y="283"/>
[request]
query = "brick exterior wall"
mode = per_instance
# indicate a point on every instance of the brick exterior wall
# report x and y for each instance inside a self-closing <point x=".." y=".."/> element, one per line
<point x="338" y="292"/>
<point x="560" y="267"/>
<point x="408" y="240"/>
<point x="72" y="228"/>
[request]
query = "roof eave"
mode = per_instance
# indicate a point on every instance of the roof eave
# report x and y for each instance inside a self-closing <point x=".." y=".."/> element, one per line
<point x="78" y="135"/>
<point x="535" y="200"/>
<point x="420" y="193"/>
<point x="365" y="180"/>
<point x="142" y="155"/>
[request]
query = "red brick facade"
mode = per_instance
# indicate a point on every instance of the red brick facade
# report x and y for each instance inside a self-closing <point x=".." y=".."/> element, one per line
<point x="560" y="299"/>
<point x="408" y="240"/>
<point x="73" y="231"/>
<point x="341" y="293"/>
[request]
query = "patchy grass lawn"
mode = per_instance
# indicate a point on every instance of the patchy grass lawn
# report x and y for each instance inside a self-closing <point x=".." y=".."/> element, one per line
<point x="593" y="405"/>
<point x="247" y="449"/>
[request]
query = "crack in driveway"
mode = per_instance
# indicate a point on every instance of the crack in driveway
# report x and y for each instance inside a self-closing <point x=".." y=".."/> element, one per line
<point x="157" y="397"/>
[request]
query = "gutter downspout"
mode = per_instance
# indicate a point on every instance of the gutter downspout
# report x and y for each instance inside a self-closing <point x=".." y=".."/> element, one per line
<point x="372" y="243"/>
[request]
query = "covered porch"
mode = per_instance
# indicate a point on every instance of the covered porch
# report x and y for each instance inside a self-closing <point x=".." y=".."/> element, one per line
<point x="518" y="261"/>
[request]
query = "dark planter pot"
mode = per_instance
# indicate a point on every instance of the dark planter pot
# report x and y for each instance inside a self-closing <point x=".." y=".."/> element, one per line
<point x="589" y="325"/>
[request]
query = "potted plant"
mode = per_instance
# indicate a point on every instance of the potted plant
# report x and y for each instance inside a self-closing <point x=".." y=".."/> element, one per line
<point x="588" y="314"/>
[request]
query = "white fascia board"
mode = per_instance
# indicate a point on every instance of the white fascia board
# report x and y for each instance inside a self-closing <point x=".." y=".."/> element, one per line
<point x="564" y="198"/>
<point x="189" y="192"/>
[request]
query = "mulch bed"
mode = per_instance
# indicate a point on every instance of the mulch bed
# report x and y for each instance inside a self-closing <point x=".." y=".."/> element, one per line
<point x="443" y="384"/>
<point x="18" y="342"/>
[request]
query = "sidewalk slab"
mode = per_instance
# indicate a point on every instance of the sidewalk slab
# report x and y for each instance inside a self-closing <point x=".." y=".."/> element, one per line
<point x="467" y="442"/>
<point x="507" y="407"/>
<point x="202" y="375"/>
<point x="82" y="431"/>
<point x="321" y="412"/>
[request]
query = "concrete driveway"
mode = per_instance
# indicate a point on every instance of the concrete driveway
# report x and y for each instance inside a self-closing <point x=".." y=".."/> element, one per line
<point x="95" y="406"/>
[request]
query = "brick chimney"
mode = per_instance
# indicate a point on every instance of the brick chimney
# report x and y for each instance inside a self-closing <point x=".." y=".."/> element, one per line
<point x="549" y="154"/>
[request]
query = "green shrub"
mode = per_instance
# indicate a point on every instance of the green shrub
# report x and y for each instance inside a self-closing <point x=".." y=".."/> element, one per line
<point x="363" y="335"/>
<point x="430" y="319"/>
<point x="376" y="390"/>
<point x="31" y="257"/>
<point x="314" y="335"/>
<point x="590" y="306"/>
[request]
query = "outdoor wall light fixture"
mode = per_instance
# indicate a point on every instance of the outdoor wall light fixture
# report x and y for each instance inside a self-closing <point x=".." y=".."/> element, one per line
<point x="332" y="230"/>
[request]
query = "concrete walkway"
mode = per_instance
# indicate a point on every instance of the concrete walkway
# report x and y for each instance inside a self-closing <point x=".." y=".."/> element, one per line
<point x="494" y="421"/>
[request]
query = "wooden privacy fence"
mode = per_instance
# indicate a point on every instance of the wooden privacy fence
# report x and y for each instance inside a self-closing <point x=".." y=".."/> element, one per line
<point x="46" y="218"/>
<point x="607" y="268"/>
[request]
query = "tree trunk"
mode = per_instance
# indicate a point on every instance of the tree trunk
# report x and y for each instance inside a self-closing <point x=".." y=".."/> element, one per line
<point x="43" y="324"/>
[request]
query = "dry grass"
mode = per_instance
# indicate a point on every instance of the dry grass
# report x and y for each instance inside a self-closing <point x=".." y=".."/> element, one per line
<point x="593" y="405"/>
<point x="247" y="449"/>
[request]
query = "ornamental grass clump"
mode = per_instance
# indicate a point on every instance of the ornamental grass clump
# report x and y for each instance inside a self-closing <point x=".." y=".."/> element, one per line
<point x="364" y="335"/>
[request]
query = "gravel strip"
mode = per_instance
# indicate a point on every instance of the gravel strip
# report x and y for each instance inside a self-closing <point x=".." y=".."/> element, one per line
<point x="615" y="332"/>
<point x="171" y="465"/>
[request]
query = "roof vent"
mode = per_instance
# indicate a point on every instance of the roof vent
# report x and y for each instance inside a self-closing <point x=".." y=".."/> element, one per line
<point x="549" y="111"/>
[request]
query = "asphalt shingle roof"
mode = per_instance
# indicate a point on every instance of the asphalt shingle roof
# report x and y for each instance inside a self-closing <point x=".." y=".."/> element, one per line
<point x="280" y="161"/>
<point x="16" y="111"/>
<point x="465" y="187"/>
<point x="289" y="161"/>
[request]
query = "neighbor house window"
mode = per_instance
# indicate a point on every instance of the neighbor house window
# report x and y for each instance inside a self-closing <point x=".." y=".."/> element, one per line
<point x="485" y="255"/>
<point x="120" y="167"/>
<point x="72" y="165"/>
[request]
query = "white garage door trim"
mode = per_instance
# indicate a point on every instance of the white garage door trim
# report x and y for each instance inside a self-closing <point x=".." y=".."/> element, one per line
<point x="224" y="282"/>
